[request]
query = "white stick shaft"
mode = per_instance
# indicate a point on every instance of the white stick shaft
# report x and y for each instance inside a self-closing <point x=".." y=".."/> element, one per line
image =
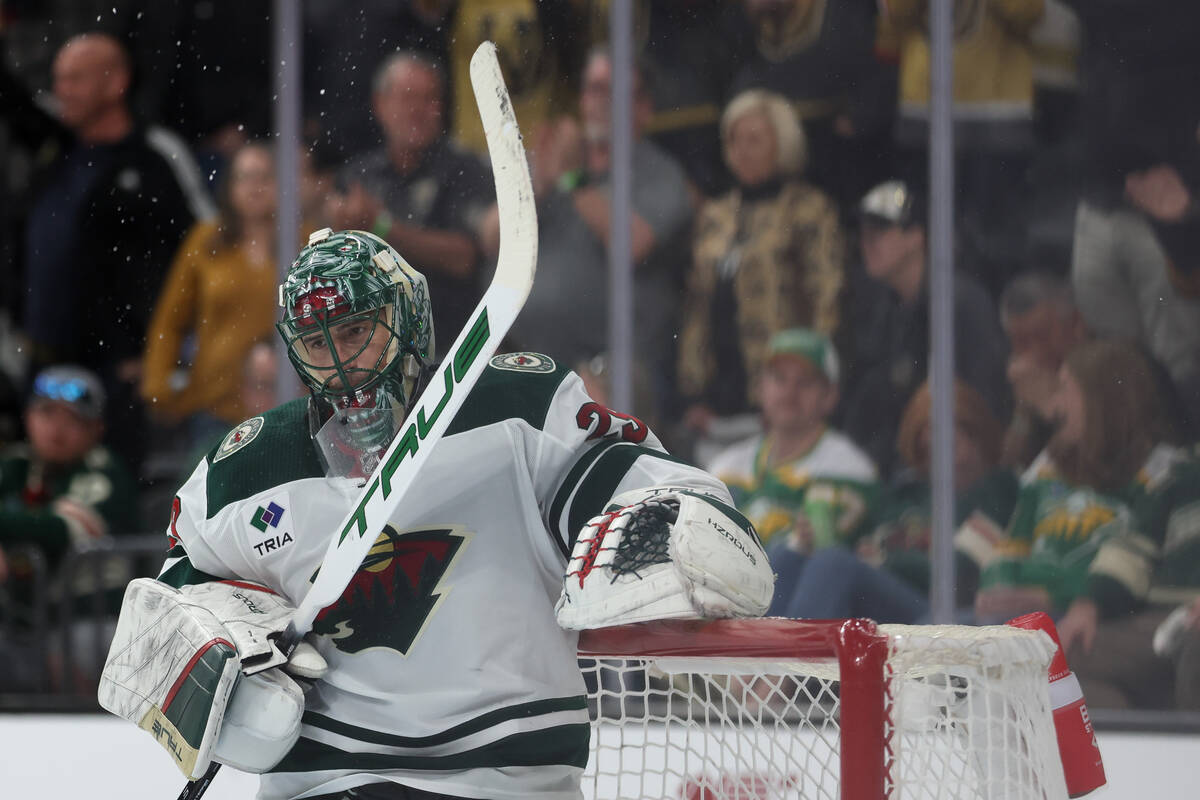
<point x="469" y="355"/>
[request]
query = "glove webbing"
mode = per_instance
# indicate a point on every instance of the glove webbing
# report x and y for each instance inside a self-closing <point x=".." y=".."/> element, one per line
<point x="646" y="538"/>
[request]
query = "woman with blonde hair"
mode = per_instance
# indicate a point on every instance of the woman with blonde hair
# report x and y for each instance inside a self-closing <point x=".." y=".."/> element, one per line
<point x="766" y="256"/>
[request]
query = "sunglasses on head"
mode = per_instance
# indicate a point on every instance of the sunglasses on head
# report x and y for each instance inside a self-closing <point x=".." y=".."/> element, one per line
<point x="70" y="390"/>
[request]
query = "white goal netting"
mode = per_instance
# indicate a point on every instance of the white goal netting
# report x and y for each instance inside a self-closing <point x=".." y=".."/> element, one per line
<point x="736" y="710"/>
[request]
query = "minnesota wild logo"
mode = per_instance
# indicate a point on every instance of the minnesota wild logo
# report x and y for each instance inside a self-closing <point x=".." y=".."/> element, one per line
<point x="523" y="362"/>
<point x="238" y="438"/>
<point x="395" y="592"/>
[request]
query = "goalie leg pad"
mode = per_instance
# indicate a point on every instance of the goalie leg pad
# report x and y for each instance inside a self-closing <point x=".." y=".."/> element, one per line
<point x="661" y="554"/>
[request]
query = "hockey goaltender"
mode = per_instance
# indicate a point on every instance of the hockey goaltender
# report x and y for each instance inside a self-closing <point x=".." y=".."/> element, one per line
<point x="447" y="668"/>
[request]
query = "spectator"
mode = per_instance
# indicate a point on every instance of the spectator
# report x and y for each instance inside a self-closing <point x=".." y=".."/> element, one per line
<point x="217" y="301"/>
<point x="804" y="486"/>
<point x="1139" y="114"/>
<point x="419" y="191"/>
<point x="900" y="529"/>
<point x="823" y="57"/>
<point x="1037" y="310"/>
<point x="1142" y="649"/>
<point x="766" y="256"/>
<point x="1162" y="195"/>
<point x="567" y="311"/>
<point x="1127" y="286"/>
<point x="60" y="491"/>
<point x="339" y="55"/>
<point x="1086" y="526"/>
<point x="993" y="119"/>
<point x="891" y="329"/>
<point x="1169" y="205"/>
<point x="111" y="203"/>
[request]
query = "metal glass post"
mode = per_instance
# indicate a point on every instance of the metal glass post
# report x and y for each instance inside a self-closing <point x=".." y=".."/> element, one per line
<point x="941" y="305"/>
<point x="620" y="246"/>
<point x="287" y="54"/>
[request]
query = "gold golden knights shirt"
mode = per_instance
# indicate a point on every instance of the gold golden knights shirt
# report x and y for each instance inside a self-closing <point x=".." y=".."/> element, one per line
<point x="448" y="672"/>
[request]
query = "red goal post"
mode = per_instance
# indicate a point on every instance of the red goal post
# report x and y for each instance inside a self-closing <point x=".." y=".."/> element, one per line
<point x="765" y="708"/>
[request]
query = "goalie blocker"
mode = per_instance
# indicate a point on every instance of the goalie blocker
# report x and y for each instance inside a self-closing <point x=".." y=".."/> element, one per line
<point x="664" y="553"/>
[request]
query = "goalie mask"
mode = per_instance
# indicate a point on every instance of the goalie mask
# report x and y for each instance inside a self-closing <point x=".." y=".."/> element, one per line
<point x="358" y="329"/>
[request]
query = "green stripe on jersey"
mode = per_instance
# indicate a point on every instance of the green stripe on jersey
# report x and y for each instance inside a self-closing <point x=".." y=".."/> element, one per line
<point x="601" y="481"/>
<point x="559" y="745"/>
<point x="503" y="394"/>
<point x="483" y="722"/>
<point x="182" y="573"/>
<point x="568" y="485"/>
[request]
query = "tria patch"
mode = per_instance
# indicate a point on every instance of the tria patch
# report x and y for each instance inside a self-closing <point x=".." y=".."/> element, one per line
<point x="239" y="437"/>
<point x="274" y="532"/>
<point x="524" y="362"/>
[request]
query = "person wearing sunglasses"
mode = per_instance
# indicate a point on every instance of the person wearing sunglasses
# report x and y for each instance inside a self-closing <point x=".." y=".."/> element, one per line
<point x="60" y="491"/>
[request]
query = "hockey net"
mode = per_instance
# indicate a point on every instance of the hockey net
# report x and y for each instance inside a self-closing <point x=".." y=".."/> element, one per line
<point x="774" y="708"/>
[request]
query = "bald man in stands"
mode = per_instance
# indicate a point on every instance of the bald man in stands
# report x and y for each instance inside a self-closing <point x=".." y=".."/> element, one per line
<point x="110" y="201"/>
<point x="91" y="78"/>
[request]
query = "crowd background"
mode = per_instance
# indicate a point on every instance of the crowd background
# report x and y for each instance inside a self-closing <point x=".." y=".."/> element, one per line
<point x="779" y="241"/>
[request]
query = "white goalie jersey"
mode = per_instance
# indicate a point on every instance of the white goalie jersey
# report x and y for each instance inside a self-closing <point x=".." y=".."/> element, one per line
<point x="447" y="669"/>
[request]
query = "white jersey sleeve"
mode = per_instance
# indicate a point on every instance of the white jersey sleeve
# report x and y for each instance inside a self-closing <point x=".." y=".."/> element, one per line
<point x="191" y="559"/>
<point x="588" y="454"/>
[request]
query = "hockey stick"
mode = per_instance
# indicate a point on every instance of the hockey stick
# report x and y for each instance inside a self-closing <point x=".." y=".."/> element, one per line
<point x="458" y="372"/>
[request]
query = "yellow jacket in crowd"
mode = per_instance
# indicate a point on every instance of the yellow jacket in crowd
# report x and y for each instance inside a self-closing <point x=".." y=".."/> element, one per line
<point x="993" y="55"/>
<point x="228" y="303"/>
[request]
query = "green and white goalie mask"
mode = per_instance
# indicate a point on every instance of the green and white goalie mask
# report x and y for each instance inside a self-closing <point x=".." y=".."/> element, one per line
<point x="358" y="328"/>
